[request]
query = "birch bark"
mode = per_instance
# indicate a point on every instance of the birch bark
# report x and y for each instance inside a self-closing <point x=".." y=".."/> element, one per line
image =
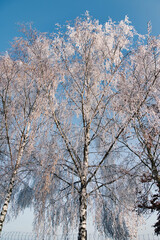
<point x="7" y="200"/>
<point x="82" y="235"/>
<point x="11" y="184"/>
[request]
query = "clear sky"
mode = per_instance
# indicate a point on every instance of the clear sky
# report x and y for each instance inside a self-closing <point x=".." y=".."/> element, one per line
<point x="44" y="14"/>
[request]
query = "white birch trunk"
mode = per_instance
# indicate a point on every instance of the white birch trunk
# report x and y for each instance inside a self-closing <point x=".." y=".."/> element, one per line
<point x="11" y="185"/>
<point x="82" y="234"/>
<point x="7" y="200"/>
<point x="10" y="189"/>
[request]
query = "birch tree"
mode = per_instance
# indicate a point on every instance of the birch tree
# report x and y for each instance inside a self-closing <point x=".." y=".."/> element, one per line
<point x="20" y="114"/>
<point x="143" y="139"/>
<point x="90" y="60"/>
<point x="27" y="86"/>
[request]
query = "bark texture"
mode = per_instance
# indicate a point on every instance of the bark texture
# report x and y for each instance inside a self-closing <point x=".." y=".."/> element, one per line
<point x="82" y="235"/>
<point x="7" y="200"/>
<point x="11" y="184"/>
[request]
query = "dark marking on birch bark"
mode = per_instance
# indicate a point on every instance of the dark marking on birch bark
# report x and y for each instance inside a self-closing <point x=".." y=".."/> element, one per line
<point x="7" y="200"/>
<point x="82" y="235"/>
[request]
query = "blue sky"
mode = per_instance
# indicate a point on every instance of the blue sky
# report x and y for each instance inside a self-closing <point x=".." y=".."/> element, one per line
<point x="46" y="13"/>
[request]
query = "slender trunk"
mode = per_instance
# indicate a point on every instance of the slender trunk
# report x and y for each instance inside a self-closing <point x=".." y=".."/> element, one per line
<point x="9" y="191"/>
<point x="7" y="200"/>
<point x="82" y="235"/>
<point x="11" y="184"/>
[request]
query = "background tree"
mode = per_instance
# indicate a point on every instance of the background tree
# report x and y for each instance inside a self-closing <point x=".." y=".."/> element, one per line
<point x="144" y="137"/>
<point x="21" y="118"/>
<point x="32" y="51"/>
